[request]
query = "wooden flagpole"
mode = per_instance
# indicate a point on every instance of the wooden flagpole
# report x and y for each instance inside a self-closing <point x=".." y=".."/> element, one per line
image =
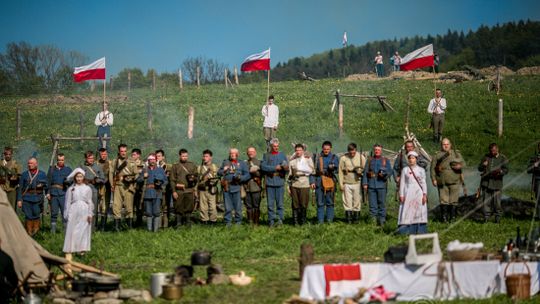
<point x="268" y="87"/>
<point x="104" y="95"/>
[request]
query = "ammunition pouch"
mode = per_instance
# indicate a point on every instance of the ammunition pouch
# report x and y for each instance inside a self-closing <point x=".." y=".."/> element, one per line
<point x="191" y="180"/>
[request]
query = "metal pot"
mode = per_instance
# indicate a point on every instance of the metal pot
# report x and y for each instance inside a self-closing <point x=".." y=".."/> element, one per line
<point x="157" y="280"/>
<point x="172" y="292"/>
<point x="106" y="284"/>
<point x="201" y="258"/>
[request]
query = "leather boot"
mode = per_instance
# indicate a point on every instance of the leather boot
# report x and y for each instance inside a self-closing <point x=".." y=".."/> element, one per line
<point x="130" y="223"/>
<point x="178" y="220"/>
<point x="103" y="223"/>
<point x="295" y="217"/>
<point x="301" y="219"/>
<point x="356" y="216"/>
<point x="453" y="210"/>
<point x="256" y="216"/>
<point x="189" y="220"/>
<point x="149" y="222"/>
<point x="156" y="220"/>
<point x="444" y="213"/>
<point x="117" y="225"/>
<point x="28" y="224"/>
<point x="349" y="216"/>
<point x="37" y="225"/>
<point x="249" y="215"/>
<point x="53" y="227"/>
<point x="164" y="220"/>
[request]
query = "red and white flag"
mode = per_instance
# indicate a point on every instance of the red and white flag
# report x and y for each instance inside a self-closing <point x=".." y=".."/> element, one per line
<point x="257" y="62"/>
<point x="95" y="70"/>
<point x="340" y="278"/>
<point x="417" y="59"/>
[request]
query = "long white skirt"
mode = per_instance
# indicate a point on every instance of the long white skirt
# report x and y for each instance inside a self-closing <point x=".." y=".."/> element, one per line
<point x="79" y="231"/>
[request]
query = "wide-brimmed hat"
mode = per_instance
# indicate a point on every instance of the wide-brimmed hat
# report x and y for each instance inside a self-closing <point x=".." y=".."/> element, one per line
<point x="412" y="153"/>
<point x="71" y="176"/>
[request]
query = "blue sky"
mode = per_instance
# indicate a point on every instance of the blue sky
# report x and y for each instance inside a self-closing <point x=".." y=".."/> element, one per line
<point x="161" y="34"/>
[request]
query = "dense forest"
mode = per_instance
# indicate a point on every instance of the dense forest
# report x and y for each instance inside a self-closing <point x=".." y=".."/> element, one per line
<point x="27" y="69"/>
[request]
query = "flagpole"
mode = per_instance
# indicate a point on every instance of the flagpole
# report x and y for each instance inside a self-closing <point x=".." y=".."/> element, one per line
<point x="268" y="87"/>
<point x="104" y="86"/>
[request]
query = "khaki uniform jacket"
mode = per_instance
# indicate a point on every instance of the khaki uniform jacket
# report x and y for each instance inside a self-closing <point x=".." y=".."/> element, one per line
<point x="179" y="171"/>
<point x="16" y="171"/>
<point x="351" y="169"/>
<point x="126" y="177"/>
<point x="205" y="175"/>
<point x="300" y="179"/>
<point x="492" y="174"/>
<point x="446" y="176"/>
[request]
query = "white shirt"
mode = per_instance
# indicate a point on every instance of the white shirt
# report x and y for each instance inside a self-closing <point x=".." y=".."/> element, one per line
<point x="397" y="60"/>
<point x="271" y="115"/>
<point x="378" y="59"/>
<point x="104" y="118"/>
<point x="433" y="108"/>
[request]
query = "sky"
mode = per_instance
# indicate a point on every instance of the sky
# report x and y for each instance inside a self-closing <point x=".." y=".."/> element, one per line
<point x="161" y="34"/>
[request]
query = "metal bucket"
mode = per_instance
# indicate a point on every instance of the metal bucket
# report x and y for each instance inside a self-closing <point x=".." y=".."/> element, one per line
<point x="157" y="280"/>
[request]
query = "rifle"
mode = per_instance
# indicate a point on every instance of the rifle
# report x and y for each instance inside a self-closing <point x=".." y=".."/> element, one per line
<point x="143" y="192"/>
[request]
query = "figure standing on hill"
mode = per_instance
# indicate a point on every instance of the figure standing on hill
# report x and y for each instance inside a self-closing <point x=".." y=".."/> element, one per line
<point x="79" y="214"/>
<point x="234" y="172"/>
<point x="184" y="181"/>
<point x="379" y="65"/>
<point x="9" y="176"/>
<point x="122" y="175"/>
<point x="324" y="183"/>
<point x="492" y="167"/>
<point x="437" y="108"/>
<point x="207" y="188"/>
<point x="104" y="121"/>
<point x="301" y="170"/>
<point x="413" y="211"/>
<point x="396" y="61"/>
<point x="276" y="167"/>
<point x="534" y="169"/>
<point x="57" y="185"/>
<point x="270" y="112"/>
<point x="253" y="187"/>
<point x="374" y="182"/>
<point x="351" y="169"/>
<point x="30" y="195"/>
<point x="446" y="170"/>
<point x="104" y="189"/>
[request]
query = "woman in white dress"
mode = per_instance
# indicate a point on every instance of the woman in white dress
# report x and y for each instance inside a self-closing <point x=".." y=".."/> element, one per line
<point x="78" y="214"/>
<point x="413" y="212"/>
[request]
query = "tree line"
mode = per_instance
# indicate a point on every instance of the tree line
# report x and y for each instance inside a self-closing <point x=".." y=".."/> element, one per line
<point x="513" y="44"/>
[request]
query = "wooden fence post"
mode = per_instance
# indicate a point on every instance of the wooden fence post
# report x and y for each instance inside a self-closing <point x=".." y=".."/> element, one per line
<point x="149" y="115"/>
<point x="198" y="77"/>
<point x="129" y="81"/>
<point x="500" y="117"/>
<point x="154" y="81"/>
<point x="191" y="118"/>
<point x="235" y="75"/>
<point x="19" y="121"/>
<point x="81" y="126"/>
<point x="340" y="119"/>
<point x="180" y="80"/>
<point x="225" y="78"/>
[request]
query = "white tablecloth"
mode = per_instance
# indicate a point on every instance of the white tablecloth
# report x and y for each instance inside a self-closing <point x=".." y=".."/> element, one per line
<point x="475" y="279"/>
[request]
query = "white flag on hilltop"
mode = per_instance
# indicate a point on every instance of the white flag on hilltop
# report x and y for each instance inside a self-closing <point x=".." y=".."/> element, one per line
<point x="344" y="42"/>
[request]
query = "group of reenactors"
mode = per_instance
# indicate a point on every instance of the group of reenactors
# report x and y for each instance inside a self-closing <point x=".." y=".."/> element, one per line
<point x="131" y="188"/>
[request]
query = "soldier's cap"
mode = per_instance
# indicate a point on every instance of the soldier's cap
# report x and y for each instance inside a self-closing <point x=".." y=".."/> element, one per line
<point x="412" y="153"/>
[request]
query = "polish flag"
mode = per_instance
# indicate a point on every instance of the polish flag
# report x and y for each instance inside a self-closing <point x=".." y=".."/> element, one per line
<point x="417" y="59"/>
<point x="257" y="62"/>
<point x="95" y="70"/>
<point x="345" y="40"/>
<point x="341" y="278"/>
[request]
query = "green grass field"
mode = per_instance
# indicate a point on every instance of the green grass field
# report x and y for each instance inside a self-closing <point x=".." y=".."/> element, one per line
<point x="227" y="118"/>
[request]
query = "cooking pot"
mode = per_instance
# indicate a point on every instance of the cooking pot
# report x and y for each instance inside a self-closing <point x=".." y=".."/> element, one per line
<point x="106" y="284"/>
<point x="201" y="258"/>
<point x="171" y="292"/>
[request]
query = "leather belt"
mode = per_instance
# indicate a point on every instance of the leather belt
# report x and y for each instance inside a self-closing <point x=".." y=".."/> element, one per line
<point x="151" y="186"/>
<point x="57" y="186"/>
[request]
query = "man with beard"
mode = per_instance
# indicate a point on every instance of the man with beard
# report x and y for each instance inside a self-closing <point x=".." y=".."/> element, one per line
<point x="493" y="167"/>
<point x="276" y="167"/>
<point x="301" y="169"/>
<point x="324" y="183"/>
<point x="30" y="195"/>
<point x="234" y="172"/>
<point x="57" y="186"/>
<point x="123" y="175"/>
<point x="184" y="182"/>
<point x="253" y="187"/>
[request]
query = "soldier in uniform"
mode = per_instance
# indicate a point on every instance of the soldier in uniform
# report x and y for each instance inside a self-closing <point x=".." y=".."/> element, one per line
<point x="437" y="108"/>
<point x="167" y="193"/>
<point x="184" y="180"/>
<point x="57" y="185"/>
<point x="137" y="196"/>
<point x="30" y="194"/>
<point x="351" y="168"/>
<point x="104" y="189"/>
<point x="276" y="167"/>
<point x="402" y="161"/>
<point x="207" y="188"/>
<point x="301" y="169"/>
<point x="9" y="176"/>
<point x="154" y="181"/>
<point x="377" y="171"/>
<point x="446" y="176"/>
<point x="234" y="172"/>
<point x="123" y="175"/>
<point x="253" y="187"/>
<point x="93" y="177"/>
<point x="324" y="183"/>
<point x="534" y="169"/>
<point x="492" y="167"/>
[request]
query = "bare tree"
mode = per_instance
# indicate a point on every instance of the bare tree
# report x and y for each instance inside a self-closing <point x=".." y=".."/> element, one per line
<point x="189" y="67"/>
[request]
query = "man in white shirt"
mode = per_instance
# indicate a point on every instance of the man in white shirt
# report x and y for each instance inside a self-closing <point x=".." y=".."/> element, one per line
<point x="437" y="108"/>
<point x="270" y="111"/>
<point x="104" y="121"/>
<point x="379" y="65"/>
<point x="396" y="61"/>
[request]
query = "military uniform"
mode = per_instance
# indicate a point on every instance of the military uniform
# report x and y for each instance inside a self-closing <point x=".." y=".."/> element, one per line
<point x="104" y="192"/>
<point x="325" y="197"/>
<point x="94" y="177"/>
<point x="166" y="194"/>
<point x="534" y="169"/>
<point x="123" y="175"/>
<point x="253" y="188"/>
<point x="301" y="170"/>
<point x="491" y="183"/>
<point x="153" y="186"/>
<point x="33" y="186"/>
<point x="57" y="186"/>
<point x="9" y="179"/>
<point x="349" y="175"/>
<point x="207" y="188"/>
<point x="275" y="184"/>
<point x="448" y="180"/>
<point x="184" y="173"/>
<point x="377" y="171"/>
<point x="138" y="207"/>
<point x="233" y="177"/>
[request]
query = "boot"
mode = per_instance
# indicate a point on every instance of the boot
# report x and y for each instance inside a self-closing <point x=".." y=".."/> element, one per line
<point x="37" y="224"/>
<point x="188" y="220"/>
<point x="295" y="217"/>
<point x="53" y="227"/>
<point x="453" y="211"/>
<point x="103" y="223"/>
<point x="356" y="217"/>
<point x="349" y="216"/>
<point x="164" y="220"/>
<point x="249" y="215"/>
<point x="149" y="222"/>
<point x="117" y="225"/>
<point x="130" y="223"/>
<point x="444" y="213"/>
<point x="256" y="216"/>
<point x="178" y="220"/>
<point x="156" y="220"/>
<point x="301" y="216"/>
<point x="28" y="224"/>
